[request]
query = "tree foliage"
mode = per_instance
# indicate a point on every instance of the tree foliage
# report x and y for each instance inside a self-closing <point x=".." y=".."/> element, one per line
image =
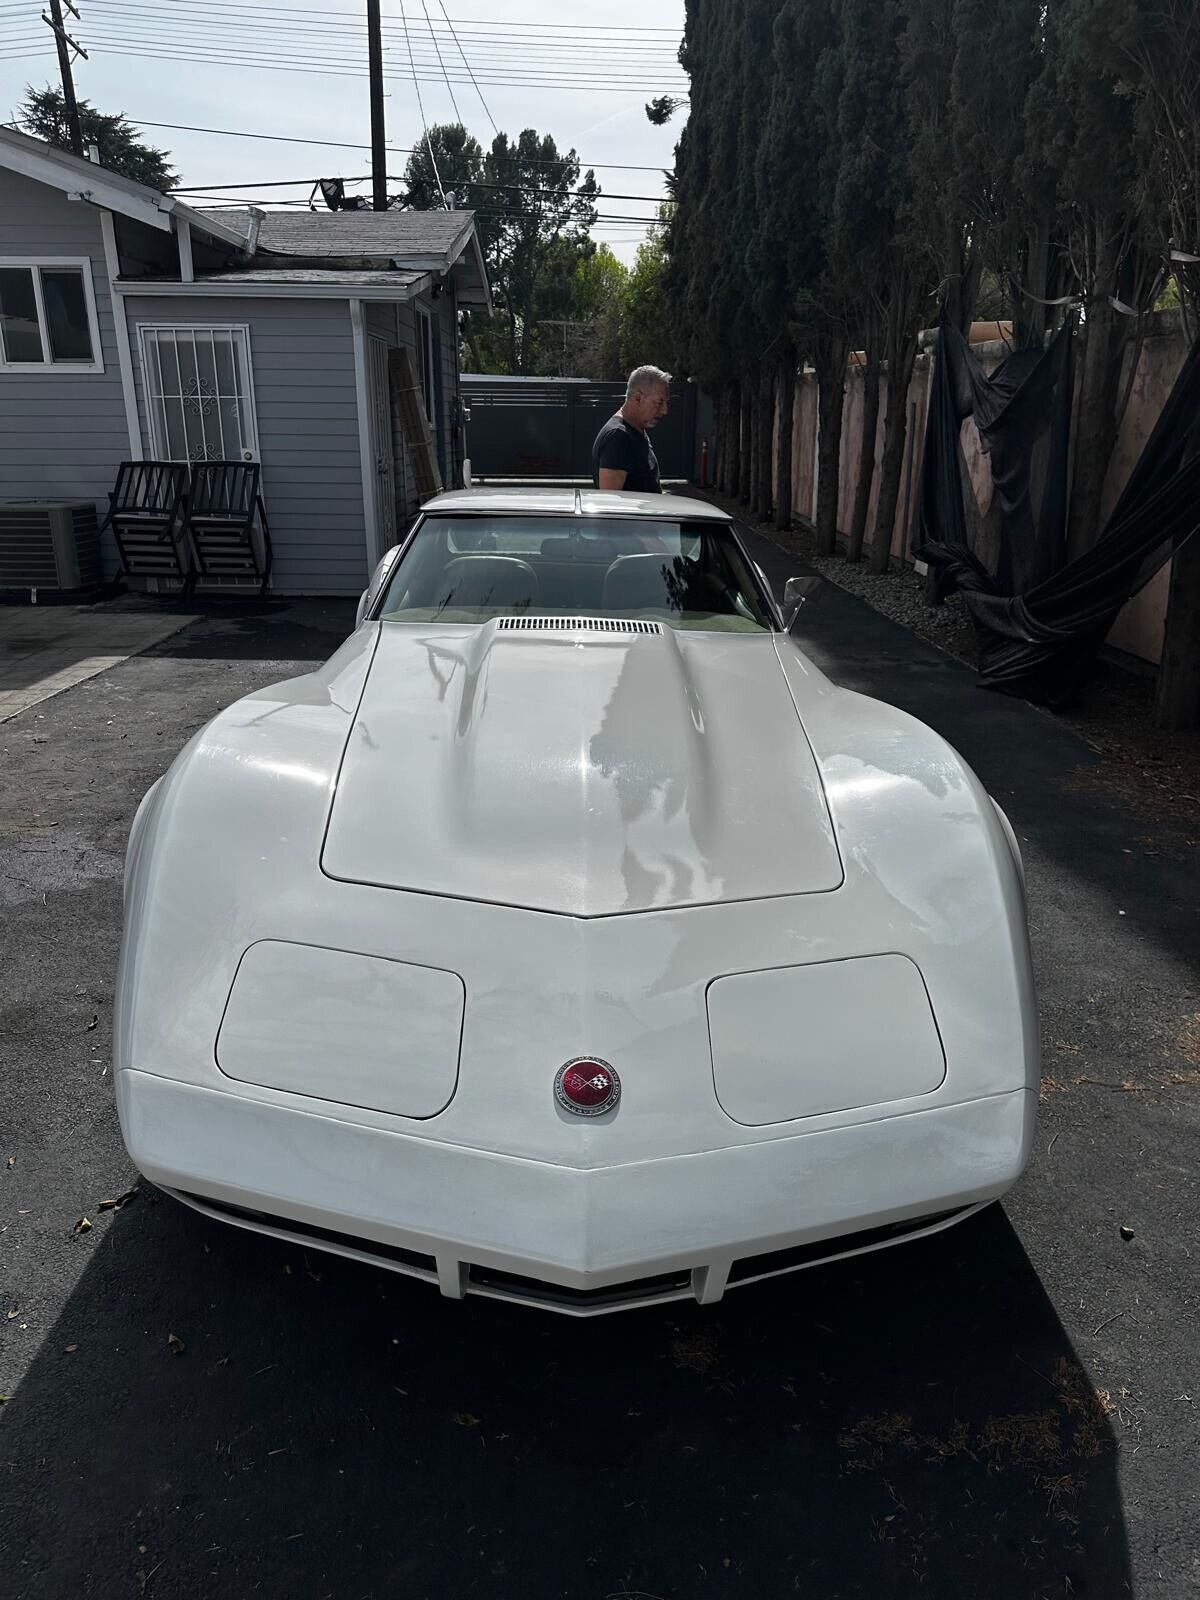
<point x="848" y="167"/>
<point x="449" y="162"/>
<point x="43" y="114"/>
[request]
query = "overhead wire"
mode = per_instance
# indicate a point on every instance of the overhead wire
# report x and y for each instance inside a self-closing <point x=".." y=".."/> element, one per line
<point x="253" y="60"/>
<point x="437" y="177"/>
<point x="466" y="25"/>
<point x="441" y="63"/>
<point x="201" y="33"/>
<point x="508" y="188"/>
<point x="339" y="22"/>
<point x="486" y="108"/>
<point x="343" y="144"/>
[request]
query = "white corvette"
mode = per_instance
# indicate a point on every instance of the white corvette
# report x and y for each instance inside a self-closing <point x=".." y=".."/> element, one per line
<point x="569" y="938"/>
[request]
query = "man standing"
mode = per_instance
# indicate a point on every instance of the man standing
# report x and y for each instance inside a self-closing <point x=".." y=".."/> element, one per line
<point x="622" y="457"/>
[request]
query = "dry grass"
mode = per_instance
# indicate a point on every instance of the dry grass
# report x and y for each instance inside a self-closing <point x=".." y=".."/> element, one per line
<point x="1049" y="1443"/>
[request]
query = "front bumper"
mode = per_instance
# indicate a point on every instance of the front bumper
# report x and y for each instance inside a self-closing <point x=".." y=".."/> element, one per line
<point x="573" y="1239"/>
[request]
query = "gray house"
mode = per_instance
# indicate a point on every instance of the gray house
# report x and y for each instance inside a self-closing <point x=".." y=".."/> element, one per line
<point x="133" y="326"/>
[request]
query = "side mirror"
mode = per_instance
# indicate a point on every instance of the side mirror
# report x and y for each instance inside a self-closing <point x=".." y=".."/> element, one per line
<point x="378" y="578"/>
<point x="795" y="592"/>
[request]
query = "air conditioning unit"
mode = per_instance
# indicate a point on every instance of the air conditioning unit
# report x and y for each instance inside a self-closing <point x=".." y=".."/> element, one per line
<point x="49" y="545"/>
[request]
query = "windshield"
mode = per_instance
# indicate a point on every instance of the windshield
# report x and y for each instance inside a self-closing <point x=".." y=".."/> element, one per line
<point x="474" y="568"/>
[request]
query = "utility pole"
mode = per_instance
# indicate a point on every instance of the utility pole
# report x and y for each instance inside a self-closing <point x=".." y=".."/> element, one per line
<point x="379" y="199"/>
<point x="62" y="39"/>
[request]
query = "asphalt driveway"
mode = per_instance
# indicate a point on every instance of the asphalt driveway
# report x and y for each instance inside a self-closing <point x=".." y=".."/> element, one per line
<point x="1009" y="1409"/>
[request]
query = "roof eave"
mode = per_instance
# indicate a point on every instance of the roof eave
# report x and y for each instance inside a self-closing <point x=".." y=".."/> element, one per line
<point x="87" y="181"/>
<point x="297" y="289"/>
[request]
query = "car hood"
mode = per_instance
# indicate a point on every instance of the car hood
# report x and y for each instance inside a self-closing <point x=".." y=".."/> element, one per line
<point x="590" y="774"/>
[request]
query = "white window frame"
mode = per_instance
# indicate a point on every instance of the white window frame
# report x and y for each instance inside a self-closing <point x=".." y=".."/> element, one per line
<point x="428" y="348"/>
<point x="156" y="423"/>
<point x="36" y="265"/>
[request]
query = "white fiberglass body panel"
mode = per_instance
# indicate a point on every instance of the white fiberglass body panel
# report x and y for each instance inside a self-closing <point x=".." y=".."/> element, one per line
<point x="589" y="775"/>
<point x="289" y="821"/>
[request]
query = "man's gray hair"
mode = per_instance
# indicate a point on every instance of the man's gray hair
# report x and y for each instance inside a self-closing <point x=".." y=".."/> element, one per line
<point x="643" y="379"/>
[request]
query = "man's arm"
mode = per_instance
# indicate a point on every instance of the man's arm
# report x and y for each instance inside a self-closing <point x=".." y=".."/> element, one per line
<point x="613" y="461"/>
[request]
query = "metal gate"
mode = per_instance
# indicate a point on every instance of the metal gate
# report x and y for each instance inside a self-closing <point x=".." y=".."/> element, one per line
<point x="544" y="427"/>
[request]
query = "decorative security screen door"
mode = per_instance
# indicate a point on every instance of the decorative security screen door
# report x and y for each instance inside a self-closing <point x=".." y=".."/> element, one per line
<point x="199" y="397"/>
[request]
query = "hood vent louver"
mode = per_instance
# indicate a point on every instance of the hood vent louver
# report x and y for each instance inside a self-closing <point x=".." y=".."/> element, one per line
<point x="575" y="625"/>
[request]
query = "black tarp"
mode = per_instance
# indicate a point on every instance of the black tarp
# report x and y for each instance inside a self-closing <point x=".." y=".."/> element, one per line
<point x="1039" y="618"/>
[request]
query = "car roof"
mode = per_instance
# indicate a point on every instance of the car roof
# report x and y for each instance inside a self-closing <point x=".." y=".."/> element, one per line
<point x="575" y="502"/>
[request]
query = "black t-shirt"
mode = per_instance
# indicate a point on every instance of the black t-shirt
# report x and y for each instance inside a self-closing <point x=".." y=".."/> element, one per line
<point x="626" y="449"/>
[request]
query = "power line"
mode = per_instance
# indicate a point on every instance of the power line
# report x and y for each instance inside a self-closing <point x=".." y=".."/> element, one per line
<point x="552" y="36"/>
<point x="465" y="24"/>
<point x="310" y="49"/>
<point x="510" y="188"/>
<point x="486" y="108"/>
<point x="253" y="60"/>
<point x="200" y="17"/>
<point x="437" y="177"/>
<point x="343" y="144"/>
<point x="441" y="63"/>
<point x="130" y="44"/>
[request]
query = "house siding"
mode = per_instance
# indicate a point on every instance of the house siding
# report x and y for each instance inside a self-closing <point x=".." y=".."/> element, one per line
<point x="397" y="324"/>
<point x="447" y="309"/>
<point x="62" y="434"/>
<point x="302" y="364"/>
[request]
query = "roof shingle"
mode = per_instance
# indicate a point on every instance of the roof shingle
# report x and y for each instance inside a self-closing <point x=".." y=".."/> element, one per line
<point x="356" y="233"/>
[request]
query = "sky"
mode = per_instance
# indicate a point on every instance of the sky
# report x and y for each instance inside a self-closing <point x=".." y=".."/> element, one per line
<point x="297" y="71"/>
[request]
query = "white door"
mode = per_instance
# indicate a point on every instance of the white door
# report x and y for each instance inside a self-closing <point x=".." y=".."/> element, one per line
<point x="199" y="395"/>
<point x="381" y="445"/>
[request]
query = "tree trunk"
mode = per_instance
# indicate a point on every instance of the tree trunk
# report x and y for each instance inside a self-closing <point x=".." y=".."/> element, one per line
<point x="830" y="362"/>
<point x="717" y="445"/>
<point x="763" y="440"/>
<point x="895" y="430"/>
<point x="1177" y="697"/>
<point x="755" y="456"/>
<point x="1095" y="427"/>
<point x="783" y="457"/>
<point x="866" y="458"/>
<point x="746" y="442"/>
<point x="732" y="469"/>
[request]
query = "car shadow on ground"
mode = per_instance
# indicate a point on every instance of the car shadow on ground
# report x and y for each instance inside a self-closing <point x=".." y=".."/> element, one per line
<point x="218" y="1414"/>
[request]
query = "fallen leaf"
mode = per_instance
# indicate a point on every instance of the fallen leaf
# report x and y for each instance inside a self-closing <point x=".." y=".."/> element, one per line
<point x="120" y="1202"/>
<point x="175" y="1344"/>
<point x="82" y="1226"/>
<point x="464" y="1419"/>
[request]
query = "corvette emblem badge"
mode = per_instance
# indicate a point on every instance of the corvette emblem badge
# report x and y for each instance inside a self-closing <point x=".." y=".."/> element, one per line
<point x="587" y="1087"/>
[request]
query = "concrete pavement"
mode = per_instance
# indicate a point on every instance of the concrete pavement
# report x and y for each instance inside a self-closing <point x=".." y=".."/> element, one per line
<point x="46" y="649"/>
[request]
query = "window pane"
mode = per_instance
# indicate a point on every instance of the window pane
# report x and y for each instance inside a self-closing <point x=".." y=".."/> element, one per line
<point x="66" y="314"/>
<point x="226" y="378"/>
<point x="231" y="430"/>
<point x="18" y="316"/>
<point x="176" y="441"/>
<point x="166" y="362"/>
